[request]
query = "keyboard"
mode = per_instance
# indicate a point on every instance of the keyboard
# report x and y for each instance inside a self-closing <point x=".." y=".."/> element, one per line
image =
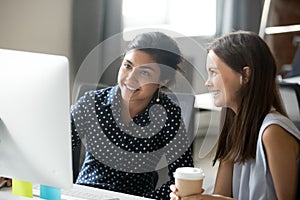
<point x="78" y="192"/>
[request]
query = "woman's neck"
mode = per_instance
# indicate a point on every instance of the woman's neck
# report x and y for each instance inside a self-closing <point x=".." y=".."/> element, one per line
<point x="131" y="109"/>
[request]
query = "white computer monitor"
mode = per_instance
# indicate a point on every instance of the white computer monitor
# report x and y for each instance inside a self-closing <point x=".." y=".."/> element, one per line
<point x="35" y="136"/>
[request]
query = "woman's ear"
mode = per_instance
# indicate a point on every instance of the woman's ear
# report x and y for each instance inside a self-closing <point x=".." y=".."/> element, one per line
<point x="246" y="73"/>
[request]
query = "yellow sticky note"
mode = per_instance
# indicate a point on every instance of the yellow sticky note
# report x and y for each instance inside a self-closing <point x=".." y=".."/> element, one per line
<point x="22" y="188"/>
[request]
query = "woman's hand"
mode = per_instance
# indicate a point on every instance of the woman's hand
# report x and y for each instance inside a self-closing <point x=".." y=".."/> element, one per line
<point x="5" y="182"/>
<point x="174" y="196"/>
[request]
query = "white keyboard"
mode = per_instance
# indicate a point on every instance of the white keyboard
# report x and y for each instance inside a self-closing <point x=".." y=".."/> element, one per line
<point x="80" y="193"/>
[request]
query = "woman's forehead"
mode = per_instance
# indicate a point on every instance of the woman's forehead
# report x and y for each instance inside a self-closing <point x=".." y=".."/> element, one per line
<point x="210" y="60"/>
<point x="139" y="58"/>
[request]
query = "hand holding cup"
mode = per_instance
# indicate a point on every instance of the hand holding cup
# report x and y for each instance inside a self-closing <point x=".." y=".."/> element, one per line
<point x="188" y="181"/>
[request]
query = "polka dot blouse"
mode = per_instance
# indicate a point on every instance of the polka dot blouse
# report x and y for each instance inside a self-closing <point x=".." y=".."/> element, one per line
<point x="125" y="158"/>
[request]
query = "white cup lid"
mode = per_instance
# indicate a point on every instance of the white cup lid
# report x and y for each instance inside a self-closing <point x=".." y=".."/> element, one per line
<point x="189" y="173"/>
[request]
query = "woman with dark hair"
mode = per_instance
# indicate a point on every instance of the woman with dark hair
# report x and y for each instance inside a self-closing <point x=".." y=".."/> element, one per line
<point x="129" y="127"/>
<point x="258" y="147"/>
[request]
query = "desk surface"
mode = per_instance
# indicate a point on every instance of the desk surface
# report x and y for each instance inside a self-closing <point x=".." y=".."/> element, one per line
<point x="5" y="194"/>
<point x="295" y="79"/>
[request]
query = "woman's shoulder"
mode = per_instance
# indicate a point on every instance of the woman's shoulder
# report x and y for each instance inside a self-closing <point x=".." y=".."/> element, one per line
<point x="99" y="95"/>
<point x="170" y="102"/>
<point x="98" y="92"/>
<point x="107" y="91"/>
<point x="275" y="122"/>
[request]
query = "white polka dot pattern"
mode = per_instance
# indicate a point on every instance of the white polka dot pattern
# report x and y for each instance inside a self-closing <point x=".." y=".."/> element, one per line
<point x="123" y="157"/>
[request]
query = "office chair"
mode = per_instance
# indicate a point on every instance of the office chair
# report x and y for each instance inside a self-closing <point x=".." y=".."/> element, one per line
<point x="290" y="94"/>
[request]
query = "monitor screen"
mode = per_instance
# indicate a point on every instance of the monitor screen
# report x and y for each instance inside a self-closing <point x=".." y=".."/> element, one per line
<point x="35" y="135"/>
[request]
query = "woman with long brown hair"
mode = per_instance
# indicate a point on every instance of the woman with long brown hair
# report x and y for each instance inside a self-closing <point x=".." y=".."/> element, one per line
<point x="258" y="147"/>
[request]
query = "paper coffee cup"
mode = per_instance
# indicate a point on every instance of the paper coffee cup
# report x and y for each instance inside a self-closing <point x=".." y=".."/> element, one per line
<point x="188" y="180"/>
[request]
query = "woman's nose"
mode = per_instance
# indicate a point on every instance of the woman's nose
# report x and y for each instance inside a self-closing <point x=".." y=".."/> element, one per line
<point x="207" y="83"/>
<point x="132" y="75"/>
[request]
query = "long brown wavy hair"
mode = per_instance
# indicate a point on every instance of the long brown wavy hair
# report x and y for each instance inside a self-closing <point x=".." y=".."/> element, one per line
<point x="239" y="131"/>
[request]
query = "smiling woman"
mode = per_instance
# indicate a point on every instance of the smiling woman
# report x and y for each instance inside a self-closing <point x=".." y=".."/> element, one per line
<point x="223" y="82"/>
<point x="137" y="82"/>
<point x="258" y="147"/>
<point x="129" y="127"/>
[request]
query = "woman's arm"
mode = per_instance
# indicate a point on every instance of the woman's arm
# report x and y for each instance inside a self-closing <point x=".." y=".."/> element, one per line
<point x="184" y="160"/>
<point x="79" y="117"/>
<point x="178" y="154"/>
<point x="223" y="184"/>
<point x="282" y="151"/>
<point x="5" y="182"/>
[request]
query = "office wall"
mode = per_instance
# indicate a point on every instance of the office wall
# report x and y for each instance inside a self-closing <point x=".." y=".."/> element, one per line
<point x="36" y="25"/>
<point x="94" y="21"/>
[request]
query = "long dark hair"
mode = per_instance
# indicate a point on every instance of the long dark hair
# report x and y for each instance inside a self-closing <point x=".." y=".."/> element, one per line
<point x="239" y="133"/>
<point x="163" y="49"/>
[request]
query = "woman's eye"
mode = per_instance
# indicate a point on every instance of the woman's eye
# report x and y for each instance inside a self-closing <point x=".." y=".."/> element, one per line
<point x="127" y="66"/>
<point x="213" y="72"/>
<point x="145" y="73"/>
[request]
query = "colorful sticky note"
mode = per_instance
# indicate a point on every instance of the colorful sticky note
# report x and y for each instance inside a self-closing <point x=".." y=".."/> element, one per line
<point x="22" y="188"/>
<point x="50" y="193"/>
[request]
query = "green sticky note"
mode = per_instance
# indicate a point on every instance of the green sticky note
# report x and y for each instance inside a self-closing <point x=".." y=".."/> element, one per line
<point x="22" y="188"/>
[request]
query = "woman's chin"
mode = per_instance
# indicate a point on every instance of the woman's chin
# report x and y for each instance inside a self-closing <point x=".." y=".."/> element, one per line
<point x="216" y="103"/>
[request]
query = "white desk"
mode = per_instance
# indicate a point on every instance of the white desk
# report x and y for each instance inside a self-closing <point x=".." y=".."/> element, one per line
<point x="5" y="194"/>
<point x="295" y="79"/>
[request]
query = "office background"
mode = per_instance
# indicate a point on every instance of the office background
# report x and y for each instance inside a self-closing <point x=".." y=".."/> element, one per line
<point x="74" y="27"/>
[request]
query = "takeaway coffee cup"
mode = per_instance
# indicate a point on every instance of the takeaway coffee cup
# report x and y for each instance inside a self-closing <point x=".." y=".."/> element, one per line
<point x="188" y="180"/>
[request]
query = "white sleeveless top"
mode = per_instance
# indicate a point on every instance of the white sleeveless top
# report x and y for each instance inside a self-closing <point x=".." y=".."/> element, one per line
<point x="252" y="180"/>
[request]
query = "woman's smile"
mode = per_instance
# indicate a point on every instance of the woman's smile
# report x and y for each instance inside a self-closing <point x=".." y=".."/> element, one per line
<point x="215" y="93"/>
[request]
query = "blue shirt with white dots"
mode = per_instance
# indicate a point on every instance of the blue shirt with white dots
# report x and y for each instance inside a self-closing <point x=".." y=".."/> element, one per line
<point x="124" y="157"/>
